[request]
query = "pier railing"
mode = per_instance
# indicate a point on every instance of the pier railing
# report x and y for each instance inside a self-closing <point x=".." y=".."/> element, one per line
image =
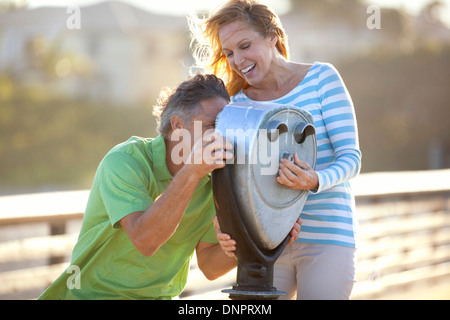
<point x="404" y="228"/>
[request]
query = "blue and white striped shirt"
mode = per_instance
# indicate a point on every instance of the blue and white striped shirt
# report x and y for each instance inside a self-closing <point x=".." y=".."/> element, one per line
<point x="329" y="213"/>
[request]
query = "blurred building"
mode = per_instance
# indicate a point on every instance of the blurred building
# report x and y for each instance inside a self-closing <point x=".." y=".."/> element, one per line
<point x="125" y="55"/>
<point x="333" y="30"/>
<point x="119" y="53"/>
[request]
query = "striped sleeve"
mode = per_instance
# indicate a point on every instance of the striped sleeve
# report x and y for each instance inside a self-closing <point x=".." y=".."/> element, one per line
<point x="340" y="124"/>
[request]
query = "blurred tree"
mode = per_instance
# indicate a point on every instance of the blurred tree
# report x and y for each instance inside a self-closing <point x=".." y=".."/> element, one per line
<point x="398" y="86"/>
<point x="402" y="106"/>
<point x="48" y="141"/>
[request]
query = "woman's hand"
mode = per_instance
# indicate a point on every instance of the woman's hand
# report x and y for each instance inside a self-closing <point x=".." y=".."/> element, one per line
<point x="298" y="175"/>
<point x="228" y="245"/>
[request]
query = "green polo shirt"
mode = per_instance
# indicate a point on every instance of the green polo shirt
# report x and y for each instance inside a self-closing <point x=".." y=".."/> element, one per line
<point x="130" y="177"/>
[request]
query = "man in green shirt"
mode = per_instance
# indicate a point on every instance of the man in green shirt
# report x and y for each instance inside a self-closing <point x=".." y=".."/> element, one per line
<point x="151" y="206"/>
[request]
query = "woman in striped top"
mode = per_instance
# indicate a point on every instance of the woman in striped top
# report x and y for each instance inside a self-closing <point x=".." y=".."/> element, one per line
<point x="247" y="46"/>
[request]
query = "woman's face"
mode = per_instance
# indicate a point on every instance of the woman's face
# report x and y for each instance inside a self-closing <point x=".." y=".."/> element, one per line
<point x="247" y="51"/>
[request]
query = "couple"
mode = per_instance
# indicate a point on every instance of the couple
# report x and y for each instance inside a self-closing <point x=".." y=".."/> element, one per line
<point x="147" y="214"/>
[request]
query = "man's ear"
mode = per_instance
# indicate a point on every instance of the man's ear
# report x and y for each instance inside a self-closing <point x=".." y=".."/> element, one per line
<point x="177" y="125"/>
<point x="176" y="122"/>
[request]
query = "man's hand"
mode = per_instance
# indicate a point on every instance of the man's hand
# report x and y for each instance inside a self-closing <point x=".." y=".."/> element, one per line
<point x="227" y="244"/>
<point x="208" y="154"/>
<point x="295" y="231"/>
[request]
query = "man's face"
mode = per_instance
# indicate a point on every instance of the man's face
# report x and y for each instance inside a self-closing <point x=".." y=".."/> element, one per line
<point x="209" y="109"/>
<point x="200" y="126"/>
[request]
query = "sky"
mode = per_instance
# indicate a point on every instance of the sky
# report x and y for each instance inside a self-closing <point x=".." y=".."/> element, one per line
<point x="183" y="7"/>
<point x="170" y="7"/>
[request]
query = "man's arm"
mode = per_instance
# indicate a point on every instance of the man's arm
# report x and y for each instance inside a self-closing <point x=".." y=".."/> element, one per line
<point x="212" y="260"/>
<point x="217" y="259"/>
<point x="150" y="229"/>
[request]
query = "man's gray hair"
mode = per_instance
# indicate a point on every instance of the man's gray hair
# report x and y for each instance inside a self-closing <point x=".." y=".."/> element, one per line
<point x="185" y="99"/>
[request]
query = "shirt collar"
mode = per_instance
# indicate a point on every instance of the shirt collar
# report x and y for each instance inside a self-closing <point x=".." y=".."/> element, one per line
<point x="160" y="171"/>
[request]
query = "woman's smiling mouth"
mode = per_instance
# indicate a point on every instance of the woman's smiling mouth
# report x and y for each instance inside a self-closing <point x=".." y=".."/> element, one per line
<point x="248" y="69"/>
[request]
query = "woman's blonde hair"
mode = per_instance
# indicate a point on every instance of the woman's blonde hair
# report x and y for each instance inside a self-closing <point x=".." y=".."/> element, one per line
<point x="207" y="49"/>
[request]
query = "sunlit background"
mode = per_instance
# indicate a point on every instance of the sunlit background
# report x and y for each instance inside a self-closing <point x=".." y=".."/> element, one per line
<point x="72" y="87"/>
<point x="70" y="92"/>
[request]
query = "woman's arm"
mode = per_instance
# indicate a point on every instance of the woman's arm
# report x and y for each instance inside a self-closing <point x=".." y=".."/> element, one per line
<point x="340" y="125"/>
